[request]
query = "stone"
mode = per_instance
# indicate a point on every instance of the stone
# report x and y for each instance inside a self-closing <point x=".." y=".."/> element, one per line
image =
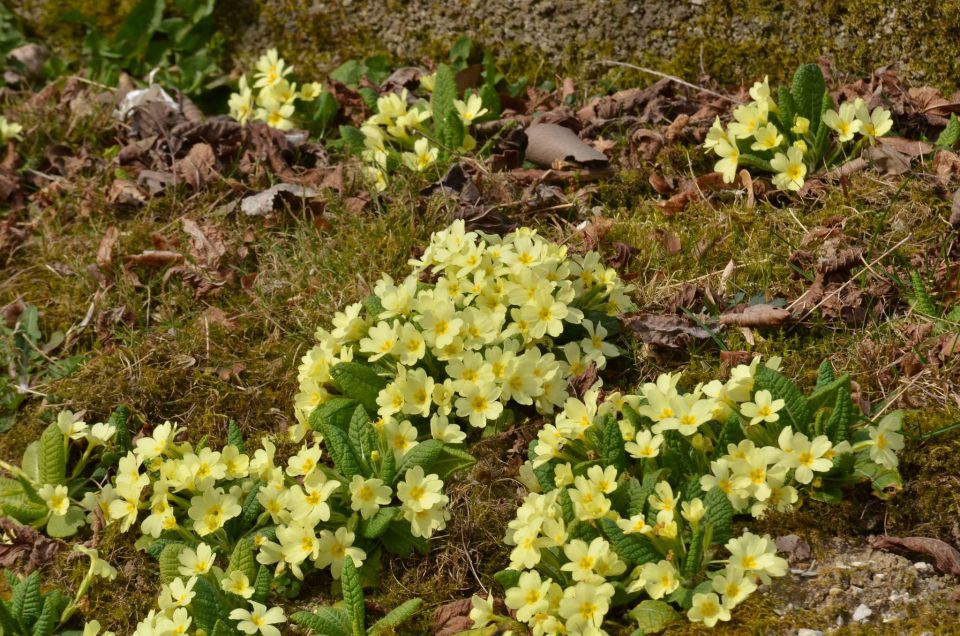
<point x="862" y="613"/>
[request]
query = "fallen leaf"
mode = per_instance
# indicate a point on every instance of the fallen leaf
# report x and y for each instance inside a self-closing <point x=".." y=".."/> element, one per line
<point x="206" y="247"/>
<point x="796" y="549"/>
<point x="123" y="192"/>
<point x="550" y="144"/>
<point x="25" y="549"/>
<point x="913" y="148"/>
<point x="888" y="160"/>
<point x="264" y="202"/>
<point x="670" y="331"/>
<point x="197" y="168"/>
<point x="452" y="618"/>
<point x="105" y="251"/>
<point x="153" y="258"/>
<point x="955" y="210"/>
<point x="761" y="315"/>
<point x="660" y="183"/>
<point x="946" y="165"/>
<point x="669" y="241"/>
<point x="946" y="557"/>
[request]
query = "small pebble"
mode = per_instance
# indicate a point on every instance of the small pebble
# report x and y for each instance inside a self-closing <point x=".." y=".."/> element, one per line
<point x="809" y="632"/>
<point x="923" y="566"/>
<point x="896" y="597"/>
<point x="862" y="613"/>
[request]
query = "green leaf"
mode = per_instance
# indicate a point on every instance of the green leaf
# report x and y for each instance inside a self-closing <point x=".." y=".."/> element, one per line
<point x="491" y="101"/>
<point x="633" y="549"/>
<point x="719" y="514"/>
<point x="369" y="97"/>
<point x="921" y="301"/>
<point x="16" y="503"/>
<point x="49" y="615"/>
<point x="359" y="382"/>
<point x="235" y="436"/>
<point x="451" y="461"/>
<point x="653" y="616"/>
<point x="731" y="433"/>
<point x="325" y="621"/>
<point x="205" y="607"/>
<point x="825" y="374"/>
<point x="398" y="540"/>
<point x="243" y="559"/>
<point x="341" y="450"/>
<point x="249" y="514"/>
<point x="137" y="28"/>
<point x="691" y="565"/>
<point x="795" y="412"/>
<point x="349" y="73"/>
<point x="837" y="428"/>
<point x="222" y="628"/>
<point x="507" y="578"/>
<point x="423" y="454"/>
<point x="639" y="500"/>
<point x="363" y="437"/>
<point x="612" y="450"/>
<point x="353" y="597"/>
<point x="120" y="418"/>
<point x="261" y="587"/>
<point x="353" y="139"/>
<point x="827" y="395"/>
<point x="376" y="525"/>
<point x="325" y="110"/>
<point x="447" y="124"/>
<point x="28" y="603"/>
<point x="388" y="466"/>
<point x="807" y="92"/>
<point x="396" y="617"/>
<point x="950" y="135"/>
<point x="52" y="456"/>
<point x="60" y="526"/>
<point x="170" y="561"/>
<point x="336" y="412"/>
<point x="8" y="624"/>
<point x="460" y="51"/>
<point x="886" y="482"/>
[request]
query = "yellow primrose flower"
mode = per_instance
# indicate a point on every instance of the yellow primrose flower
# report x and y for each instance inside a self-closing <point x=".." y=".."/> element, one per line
<point x="9" y="130"/>
<point x="211" y="510"/>
<point x="177" y="593"/>
<point x="754" y="554"/>
<point x="277" y="115"/>
<point x="418" y="491"/>
<point x="790" y="169"/>
<point x="729" y="153"/>
<point x="71" y="425"/>
<point x="693" y="511"/>
<point x="471" y="109"/>
<point x="92" y="628"/>
<point x="733" y="585"/>
<point x="241" y="103"/>
<point x="175" y="624"/>
<point x="885" y="440"/>
<point x="422" y="157"/>
<point x="748" y="120"/>
<point x="481" y="610"/>
<point x="801" y="125"/>
<point x="271" y="69"/>
<point x="583" y="559"/>
<point x="428" y="82"/>
<point x="714" y="135"/>
<point x="334" y="548"/>
<point x="763" y="408"/>
<point x="845" y="122"/>
<point x="584" y="605"/>
<point x="874" y="124"/>
<point x="57" y="499"/>
<point x="304" y="462"/>
<point x="529" y="596"/>
<point x="310" y="91"/>
<point x="381" y="340"/>
<point x="708" y="609"/>
<point x="261" y="620"/>
<point x="767" y="138"/>
<point x="196" y="562"/>
<point x="660" y="579"/>
<point x="98" y="567"/>
<point x="237" y="583"/>
<point x="367" y="495"/>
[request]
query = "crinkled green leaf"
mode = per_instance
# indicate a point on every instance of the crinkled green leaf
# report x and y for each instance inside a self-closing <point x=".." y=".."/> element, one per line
<point x="359" y="382"/>
<point x="335" y="412"/>
<point x="235" y="436"/>
<point x="52" y="456"/>
<point x="353" y="597"/>
<point x="53" y="604"/>
<point x="363" y="437"/>
<point x="423" y="454"/>
<point x="653" y="616"/>
<point x="170" y="561"/>
<point x="205" y="606"/>
<point x="451" y="461"/>
<point x="28" y="601"/>
<point x="950" y="135"/>
<point x="325" y="621"/>
<point x="396" y="617"/>
<point x="612" y="450"/>
<point x="719" y="514"/>
<point x="341" y="450"/>
<point x="837" y="428"/>
<point x="633" y="549"/>
<point x="261" y="587"/>
<point x="61" y="526"/>
<point x="507" y="578"/>
<point x="243" y="559"/>
<point x="376" y="525"/>
<point x="807" y="93"/>
<point x="827" y="395"/>
<point x="825" y="374"/>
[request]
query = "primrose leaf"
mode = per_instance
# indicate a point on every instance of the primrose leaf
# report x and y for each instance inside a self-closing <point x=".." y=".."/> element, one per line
<point x="653" y="616"/>
<point x="796" y="411"/>
<point x="950" y="135"/>
<point x="52" y="458"/>
<point x="396" y="617"/>
<point x="359" y="382"/>
<point x="807" y="92"/>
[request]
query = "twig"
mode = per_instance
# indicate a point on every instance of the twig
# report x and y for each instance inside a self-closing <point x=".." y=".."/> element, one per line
<point x="672" y="78"/>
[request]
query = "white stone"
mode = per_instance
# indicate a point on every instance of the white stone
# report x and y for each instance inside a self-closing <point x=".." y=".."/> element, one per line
<point x="862" y="613"/>
<point x="809" y="632"/>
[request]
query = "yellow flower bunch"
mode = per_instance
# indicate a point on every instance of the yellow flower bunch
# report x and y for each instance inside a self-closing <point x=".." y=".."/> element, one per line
<point x="273" y="96"/>
<point x="799" y="135"/>
<point x="620" y="496"/>
<point x="504" y="321"/>
<point x="9" y="130"/>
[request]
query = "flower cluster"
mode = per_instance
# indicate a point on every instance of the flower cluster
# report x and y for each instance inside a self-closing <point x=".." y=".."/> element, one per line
<point x="637" y="492"/>
<point x="182" y="596"/>
<point x="399" y="133"/>
<point x="273" y="96"/>
<point x="504" y="322"/>
<point x="791" y="142"/>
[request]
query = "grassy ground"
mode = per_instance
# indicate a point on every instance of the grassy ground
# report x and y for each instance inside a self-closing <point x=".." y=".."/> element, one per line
<point x="150" y="343"/>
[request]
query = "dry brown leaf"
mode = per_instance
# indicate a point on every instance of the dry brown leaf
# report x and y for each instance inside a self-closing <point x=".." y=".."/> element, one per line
<point x="263" y="203"/>
<point x="946" y="557"/>
<point x="955" y="210"/>
<point x="197" y="168"/>
<point x="206" y="247"/>
<point x="660" y="183"/>
<point x="946" y="165"/>
<point x="153" y="258"/>
<point x="670" y="331"/>
<point x="888" y="160"/>
<point x="548" y="144"/>
<point x="452" y="618"/>
<point x="762" y="315"/>
<point x="669" y="241"/>
<point x="105" y="251"/>
<point x="26" y="549"/>
<point x="124" y="192"/>
<point x="913" y="148"/>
